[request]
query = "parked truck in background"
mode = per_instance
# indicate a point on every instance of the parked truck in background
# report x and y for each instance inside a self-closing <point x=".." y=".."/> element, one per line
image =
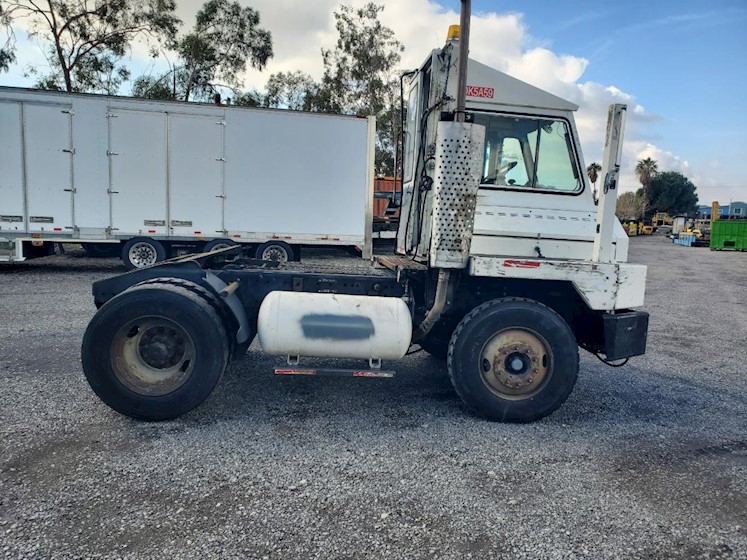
<point x="148" y="180"/>
<point x="503" y="268"/>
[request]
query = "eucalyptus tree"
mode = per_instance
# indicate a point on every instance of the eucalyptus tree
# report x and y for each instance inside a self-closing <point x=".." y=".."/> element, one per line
<point x="85" y="41"/>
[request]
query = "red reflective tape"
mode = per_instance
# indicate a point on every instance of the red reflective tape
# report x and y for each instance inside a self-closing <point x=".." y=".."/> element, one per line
<point x="276" y="237"/>
<point x="480" y="91"/>
<point x="198" y="233"/>
<point x="151" y="231"/>
<point x="237" y="235"/>
<point x="58" y="229"/>
<point x="521" y="264"/>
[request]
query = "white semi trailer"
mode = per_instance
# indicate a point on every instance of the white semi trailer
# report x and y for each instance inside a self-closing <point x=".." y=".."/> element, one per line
<point x="152" y="179"/>
<point x="504" y="267"/>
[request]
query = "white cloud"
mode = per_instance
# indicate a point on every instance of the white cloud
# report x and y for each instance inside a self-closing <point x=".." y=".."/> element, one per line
<point x="301" y="29"/>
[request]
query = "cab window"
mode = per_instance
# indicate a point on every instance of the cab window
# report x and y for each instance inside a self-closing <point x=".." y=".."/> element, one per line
<point x="528" y="153"/>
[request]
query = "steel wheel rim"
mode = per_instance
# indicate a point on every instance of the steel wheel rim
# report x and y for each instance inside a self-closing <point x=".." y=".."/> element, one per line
<point x="142" y="254"/>
<point x="152" y="356"/>
<point x="516" y="363"/>
<point x="275" y="253"/>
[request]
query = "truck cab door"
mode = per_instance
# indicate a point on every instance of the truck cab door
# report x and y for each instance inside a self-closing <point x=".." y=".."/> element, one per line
<point x="411" y="139"/>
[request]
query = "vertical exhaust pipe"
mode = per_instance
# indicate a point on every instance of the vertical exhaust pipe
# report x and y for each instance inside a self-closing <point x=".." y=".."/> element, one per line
<point x="464" y="20"/>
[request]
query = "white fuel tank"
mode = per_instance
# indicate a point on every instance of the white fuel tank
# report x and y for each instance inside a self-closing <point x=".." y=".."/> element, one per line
<point x="334" y="325"/>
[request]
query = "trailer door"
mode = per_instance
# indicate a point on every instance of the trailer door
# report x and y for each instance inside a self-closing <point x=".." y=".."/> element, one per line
<point x="11" y="169"/>
<point x="138" y="172"/>
<point x="195" y="175"/>
<point x="49" y="165"/>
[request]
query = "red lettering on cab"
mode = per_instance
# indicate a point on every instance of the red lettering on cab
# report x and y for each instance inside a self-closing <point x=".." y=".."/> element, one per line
<point x="480" y="91"/>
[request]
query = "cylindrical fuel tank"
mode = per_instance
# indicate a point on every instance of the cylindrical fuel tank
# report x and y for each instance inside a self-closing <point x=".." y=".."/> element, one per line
<point x="334" y="325"/>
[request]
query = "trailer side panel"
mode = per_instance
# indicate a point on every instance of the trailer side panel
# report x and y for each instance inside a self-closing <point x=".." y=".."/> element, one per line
<point x="195" y="175"/>
<point x="48" y="152"/>
<point x="11" y="163"/>
<point x="138" y="161"/>
<point x="296" y="174"/>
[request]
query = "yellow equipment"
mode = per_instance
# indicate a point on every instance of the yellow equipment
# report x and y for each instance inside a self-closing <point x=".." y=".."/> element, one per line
<point x="645" y="230"/>
<point x="661" y="219"/>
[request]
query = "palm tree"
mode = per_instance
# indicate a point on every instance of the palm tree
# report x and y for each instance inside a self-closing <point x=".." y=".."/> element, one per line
<point x="645" y="169"/>
<point x="593" y="172"/>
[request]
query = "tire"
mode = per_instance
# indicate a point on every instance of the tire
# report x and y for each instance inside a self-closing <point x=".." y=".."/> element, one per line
<point x="230" y="324"/>
<point x="513" y="360"/>
<point x="141" y="252"/>
<point x="275" y="251"/>
<point x="102" y="250"/>
<point x="214" y="244"/>
<point x="154" y="331"/>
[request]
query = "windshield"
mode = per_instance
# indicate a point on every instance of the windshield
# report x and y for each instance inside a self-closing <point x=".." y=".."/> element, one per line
<point x="528" y="153"/>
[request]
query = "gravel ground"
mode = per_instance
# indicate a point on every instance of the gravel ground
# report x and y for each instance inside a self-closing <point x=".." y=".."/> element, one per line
<point x="645" y="461"/>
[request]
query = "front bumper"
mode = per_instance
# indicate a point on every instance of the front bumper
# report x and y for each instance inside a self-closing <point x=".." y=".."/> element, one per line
<point x="625" y="334"/>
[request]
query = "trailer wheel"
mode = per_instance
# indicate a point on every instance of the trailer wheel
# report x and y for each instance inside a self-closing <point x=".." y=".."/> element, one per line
<point x="154" y="352"/>
<point x="513" y="360"/>
<point x="102" y="250"/>
<point x="140" y="252"/>
<point x="216" y="244"/>
<point x="278" y="251"/>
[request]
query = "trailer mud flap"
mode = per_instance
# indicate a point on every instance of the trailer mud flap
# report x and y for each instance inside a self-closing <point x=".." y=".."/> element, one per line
<point x="625" y="334"/>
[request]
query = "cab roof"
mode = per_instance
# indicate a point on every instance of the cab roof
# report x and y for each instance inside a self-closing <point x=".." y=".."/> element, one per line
<point x="507" y="90"/>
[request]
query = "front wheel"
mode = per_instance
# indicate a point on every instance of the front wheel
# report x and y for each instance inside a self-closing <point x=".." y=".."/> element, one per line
<point x="155" y="351"/>
<point x="513" y="360"/>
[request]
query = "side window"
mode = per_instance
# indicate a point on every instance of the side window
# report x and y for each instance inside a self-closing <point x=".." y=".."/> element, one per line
<point x="554" y="166"/>
<point x="411" y="131"/>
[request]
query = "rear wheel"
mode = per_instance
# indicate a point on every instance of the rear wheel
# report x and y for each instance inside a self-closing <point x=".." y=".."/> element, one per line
<point x="275" y="251"/>
<point x="216" y="244"/>
<point x="155" y="351"/>
<point x="513" y="360"/>
<point x="140" y="252"/>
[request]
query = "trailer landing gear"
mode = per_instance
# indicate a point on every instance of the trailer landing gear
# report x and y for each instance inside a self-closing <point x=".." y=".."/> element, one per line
<point x="513" y="360"/>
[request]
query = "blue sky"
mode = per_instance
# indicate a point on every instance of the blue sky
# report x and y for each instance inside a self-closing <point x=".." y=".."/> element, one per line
<point x="685" y="61"/>
<point x="681" y="64"/>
